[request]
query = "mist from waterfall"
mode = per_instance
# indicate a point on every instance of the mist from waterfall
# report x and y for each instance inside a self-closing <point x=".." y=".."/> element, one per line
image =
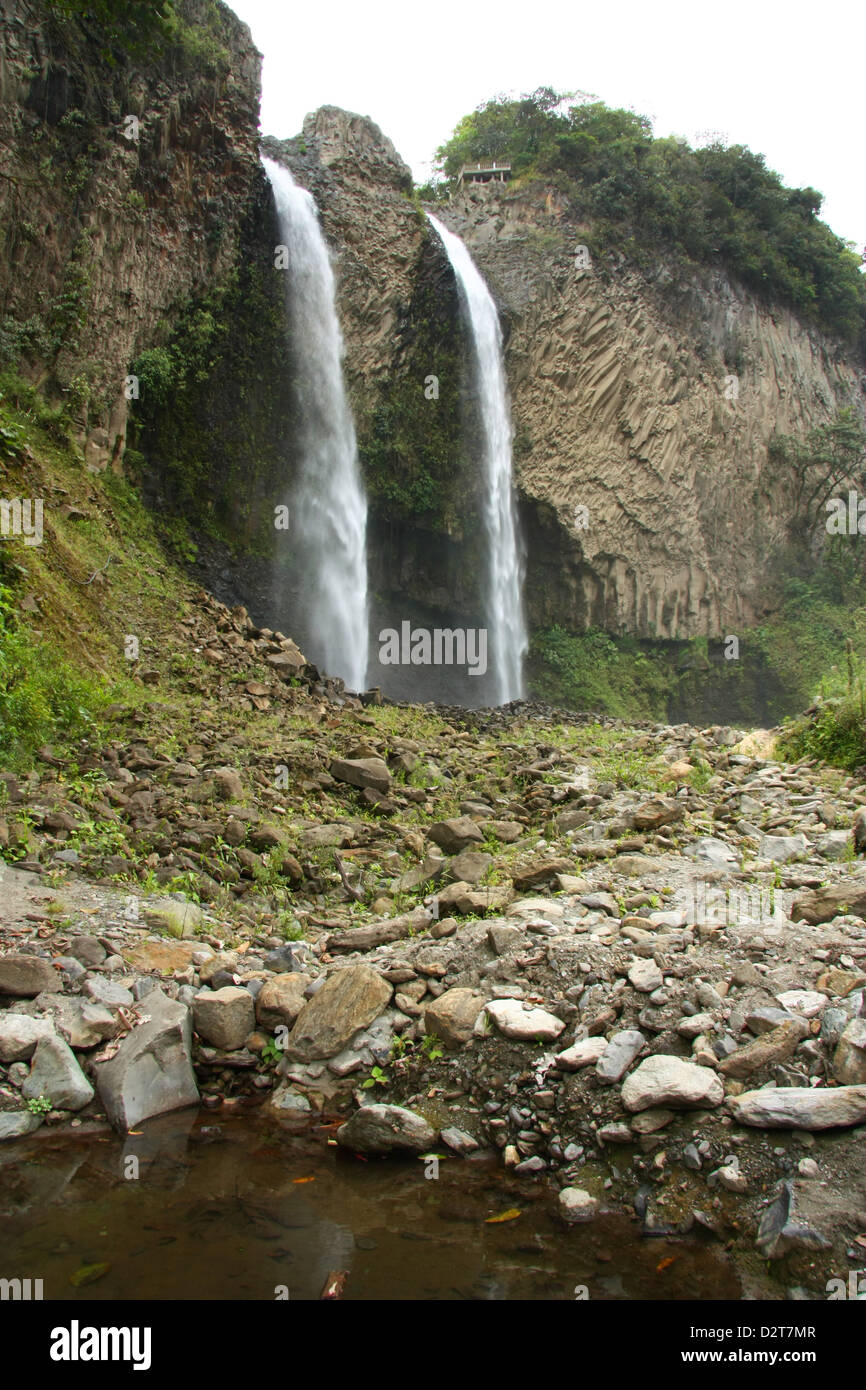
<point x="507" y="639"/>
<point x="328" y="513"/>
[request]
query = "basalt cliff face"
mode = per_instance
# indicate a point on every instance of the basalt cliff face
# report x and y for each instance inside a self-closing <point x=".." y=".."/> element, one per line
<point x="650" y="399"/>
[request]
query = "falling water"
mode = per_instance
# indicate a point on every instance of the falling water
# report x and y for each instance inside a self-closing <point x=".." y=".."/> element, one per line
<point x="329" y="512"/>
<point x="507" y="630"/>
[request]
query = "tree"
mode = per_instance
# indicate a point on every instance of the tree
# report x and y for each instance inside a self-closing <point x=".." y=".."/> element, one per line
<point x="831" y="459"/>
<point x="139" y="27"/>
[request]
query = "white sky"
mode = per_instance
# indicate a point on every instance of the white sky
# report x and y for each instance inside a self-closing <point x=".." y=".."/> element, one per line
<point x="781" y="76"/>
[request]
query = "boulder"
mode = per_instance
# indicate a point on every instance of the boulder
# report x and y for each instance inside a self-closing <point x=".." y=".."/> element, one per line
<point x="452" y="1017"/>
<point x="849" y="1059"/>
<point x="540" y="871"/>
<point x="382" y="1129"/>
<point x="379" y="933"/>
<point x="774" y="1046"/>
<point x="280" y="1000"/>
<point x="576" y="1204"/>
<point x="584" y="1053"/>
<point x="26" y="976"/>
<point x="456" y="834"/>
<point x="781" y="849"/>
<point x="800" y="1107"/>
<point x="87" y="950"/>
<point x="151" y="1072"/>
<point x="108" y="993"/>
<point x="349" y="1000"/>
<point x="808" y="1003"/>
<point x="458" y="1141"/>
<point x="20" y="1034"/>
<point x="823" y="904"/>
<point x="224" y="1017"/>
<point x="660" y="810"/>
<point x="82" y="1024"/>
<point x="470" y="865"/>
<point x="16" y="1124"/>
<point x="645" y="976"/>
<point x="618" y="1055"/>
<point x="833" y="845"/>
<point x="673" y="1083"/>
<point x="362" y="772"/>
<point x="55" y="1073"/>
<point x="525" y="1025"/>
<point x="463" y="898"/>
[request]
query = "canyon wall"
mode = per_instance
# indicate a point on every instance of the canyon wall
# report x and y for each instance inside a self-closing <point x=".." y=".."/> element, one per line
<point x="644" y="396"/>
<point x="108" y="226"/>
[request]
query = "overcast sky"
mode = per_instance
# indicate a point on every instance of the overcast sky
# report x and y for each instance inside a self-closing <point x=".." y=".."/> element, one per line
<point x="784" y="78"/>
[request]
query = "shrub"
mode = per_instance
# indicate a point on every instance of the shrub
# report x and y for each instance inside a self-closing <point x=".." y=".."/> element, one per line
<point x="42" y="696"/>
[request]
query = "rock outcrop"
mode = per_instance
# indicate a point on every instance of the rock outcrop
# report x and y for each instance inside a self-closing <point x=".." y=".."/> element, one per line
<point x="153" y="163"/>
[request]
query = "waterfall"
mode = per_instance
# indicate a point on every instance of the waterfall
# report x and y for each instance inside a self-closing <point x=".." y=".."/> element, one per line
<point x="507" y="641"/>
<point x="328" y="521"/>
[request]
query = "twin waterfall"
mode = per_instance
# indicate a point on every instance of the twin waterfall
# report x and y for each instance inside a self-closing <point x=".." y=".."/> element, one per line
<point x="507" y="639"/>
<point x="329" y="513"/>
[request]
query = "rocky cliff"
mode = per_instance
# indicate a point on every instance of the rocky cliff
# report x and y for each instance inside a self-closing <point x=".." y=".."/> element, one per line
<point x="650" y="399"/>
<point x="644" y="402"/>
<point x="644" y="396"/>
<point x="124" y="182"/>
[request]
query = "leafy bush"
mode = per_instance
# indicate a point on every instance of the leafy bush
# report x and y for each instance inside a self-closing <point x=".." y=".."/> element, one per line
<point x="137" y="27"/>
<point x="42" y="696"/>
<point x="592" y="671"/>
<point x="836" y="733"/>
<point x="716" y="205"/>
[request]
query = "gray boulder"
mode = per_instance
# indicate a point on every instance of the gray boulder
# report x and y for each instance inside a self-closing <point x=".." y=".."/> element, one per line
<point x="55" y="1073"/>
<point x="152" y="1070"/>
<point x="382" y="1129"/>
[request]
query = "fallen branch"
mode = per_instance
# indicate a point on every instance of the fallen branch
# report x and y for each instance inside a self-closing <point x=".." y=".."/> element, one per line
<point x="354" y="893"/>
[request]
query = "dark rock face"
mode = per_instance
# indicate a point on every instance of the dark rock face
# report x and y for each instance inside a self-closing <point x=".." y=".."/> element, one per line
<point x="125" y="228"/>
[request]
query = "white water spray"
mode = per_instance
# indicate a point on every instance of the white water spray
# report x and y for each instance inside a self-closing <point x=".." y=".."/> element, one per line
<point x="504" y="600"/>
<point x="329" y="511"/>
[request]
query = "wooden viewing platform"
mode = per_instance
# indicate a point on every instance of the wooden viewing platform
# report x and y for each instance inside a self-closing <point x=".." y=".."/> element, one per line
<point x="488" y="171"/>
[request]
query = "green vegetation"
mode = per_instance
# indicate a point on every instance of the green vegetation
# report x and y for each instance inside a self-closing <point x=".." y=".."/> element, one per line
<point x="835" y="731"/>
<point x="43" y="696"/>
<point x="824" y="465"/>
<point x="713" y="205"/>
<point x="213" y="422"/>
<point x="150" y="29"/>
<point x="597" y="672"/>
<point x="137" y="27"/>
<point x="377" y="1077"/>
<point x="411" y="441"/>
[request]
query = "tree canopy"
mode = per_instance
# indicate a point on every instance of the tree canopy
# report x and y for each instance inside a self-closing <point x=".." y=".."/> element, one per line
<point x="714" y="204"/>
